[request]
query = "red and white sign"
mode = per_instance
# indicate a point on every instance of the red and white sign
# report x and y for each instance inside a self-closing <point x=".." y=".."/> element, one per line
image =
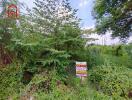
<point x="12" y="11"/>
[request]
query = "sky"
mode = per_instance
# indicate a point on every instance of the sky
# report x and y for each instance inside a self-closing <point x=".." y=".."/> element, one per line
<point x="84" y="12"/>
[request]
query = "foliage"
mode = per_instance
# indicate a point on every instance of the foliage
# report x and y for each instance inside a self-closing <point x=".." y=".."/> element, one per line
<point x="46" y="44"/>
<point x="94" y="56"/>
<point x="46" y="85"/>
<point x="49" y="16"/>
<point x="114" y="15"/>
<point x="112" y="79"/>
<point x="119" y="54"/>
<point x="10" y="83"/>
<point x="51" y="47"/>
<point x="34" y="55"/>
<point x="66" y="93"/>
<point x="58" y="90"/>
<point x="128" y="49"/>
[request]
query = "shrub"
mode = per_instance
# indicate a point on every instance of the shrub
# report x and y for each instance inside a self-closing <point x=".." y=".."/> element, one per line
<point x="98" y="55"/>
<point x="73" y="91"/>
<point x="94" y="56"/>
<point x="112" y="79"/>
<point x="35" y="55"/>
<point x="10" y="83"/>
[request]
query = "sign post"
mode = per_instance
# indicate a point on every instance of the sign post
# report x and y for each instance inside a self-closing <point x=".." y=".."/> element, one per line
<point x="81" y="70"/>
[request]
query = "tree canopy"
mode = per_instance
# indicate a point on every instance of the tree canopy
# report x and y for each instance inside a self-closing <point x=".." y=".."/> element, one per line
<point x="48" y="36"/>
<point x="114" y="15"/>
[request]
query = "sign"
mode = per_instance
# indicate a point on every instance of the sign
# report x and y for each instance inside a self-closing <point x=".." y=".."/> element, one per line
<point x="81" y="69"/>
<point x="9" y="9"/>
<point x="12" y="11"/>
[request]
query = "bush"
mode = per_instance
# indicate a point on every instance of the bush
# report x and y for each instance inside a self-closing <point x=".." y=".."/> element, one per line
<point x="94" y="56"/>
<point x="10" y="83"/>
<point x="128" y="49"/>
<point x="35" y="55"/>
<point x="77" y="92"/>
<point x="69" y="94"/>
<point x="112" y="79"/>
<point x="98" y="55"/>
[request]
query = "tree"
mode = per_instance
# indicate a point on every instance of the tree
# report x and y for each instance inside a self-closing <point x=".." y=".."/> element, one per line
<point x="8" y="28"/>
<point x="55" y="19"/>
<point x="6" y="25"/>
<point x="51" y="36"/>
<point x="48" y="15"/>
<point x="114" y="15"/>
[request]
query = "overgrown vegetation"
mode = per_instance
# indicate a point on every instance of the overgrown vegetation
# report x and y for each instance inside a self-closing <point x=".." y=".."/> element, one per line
<point x="37" y="58"/>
